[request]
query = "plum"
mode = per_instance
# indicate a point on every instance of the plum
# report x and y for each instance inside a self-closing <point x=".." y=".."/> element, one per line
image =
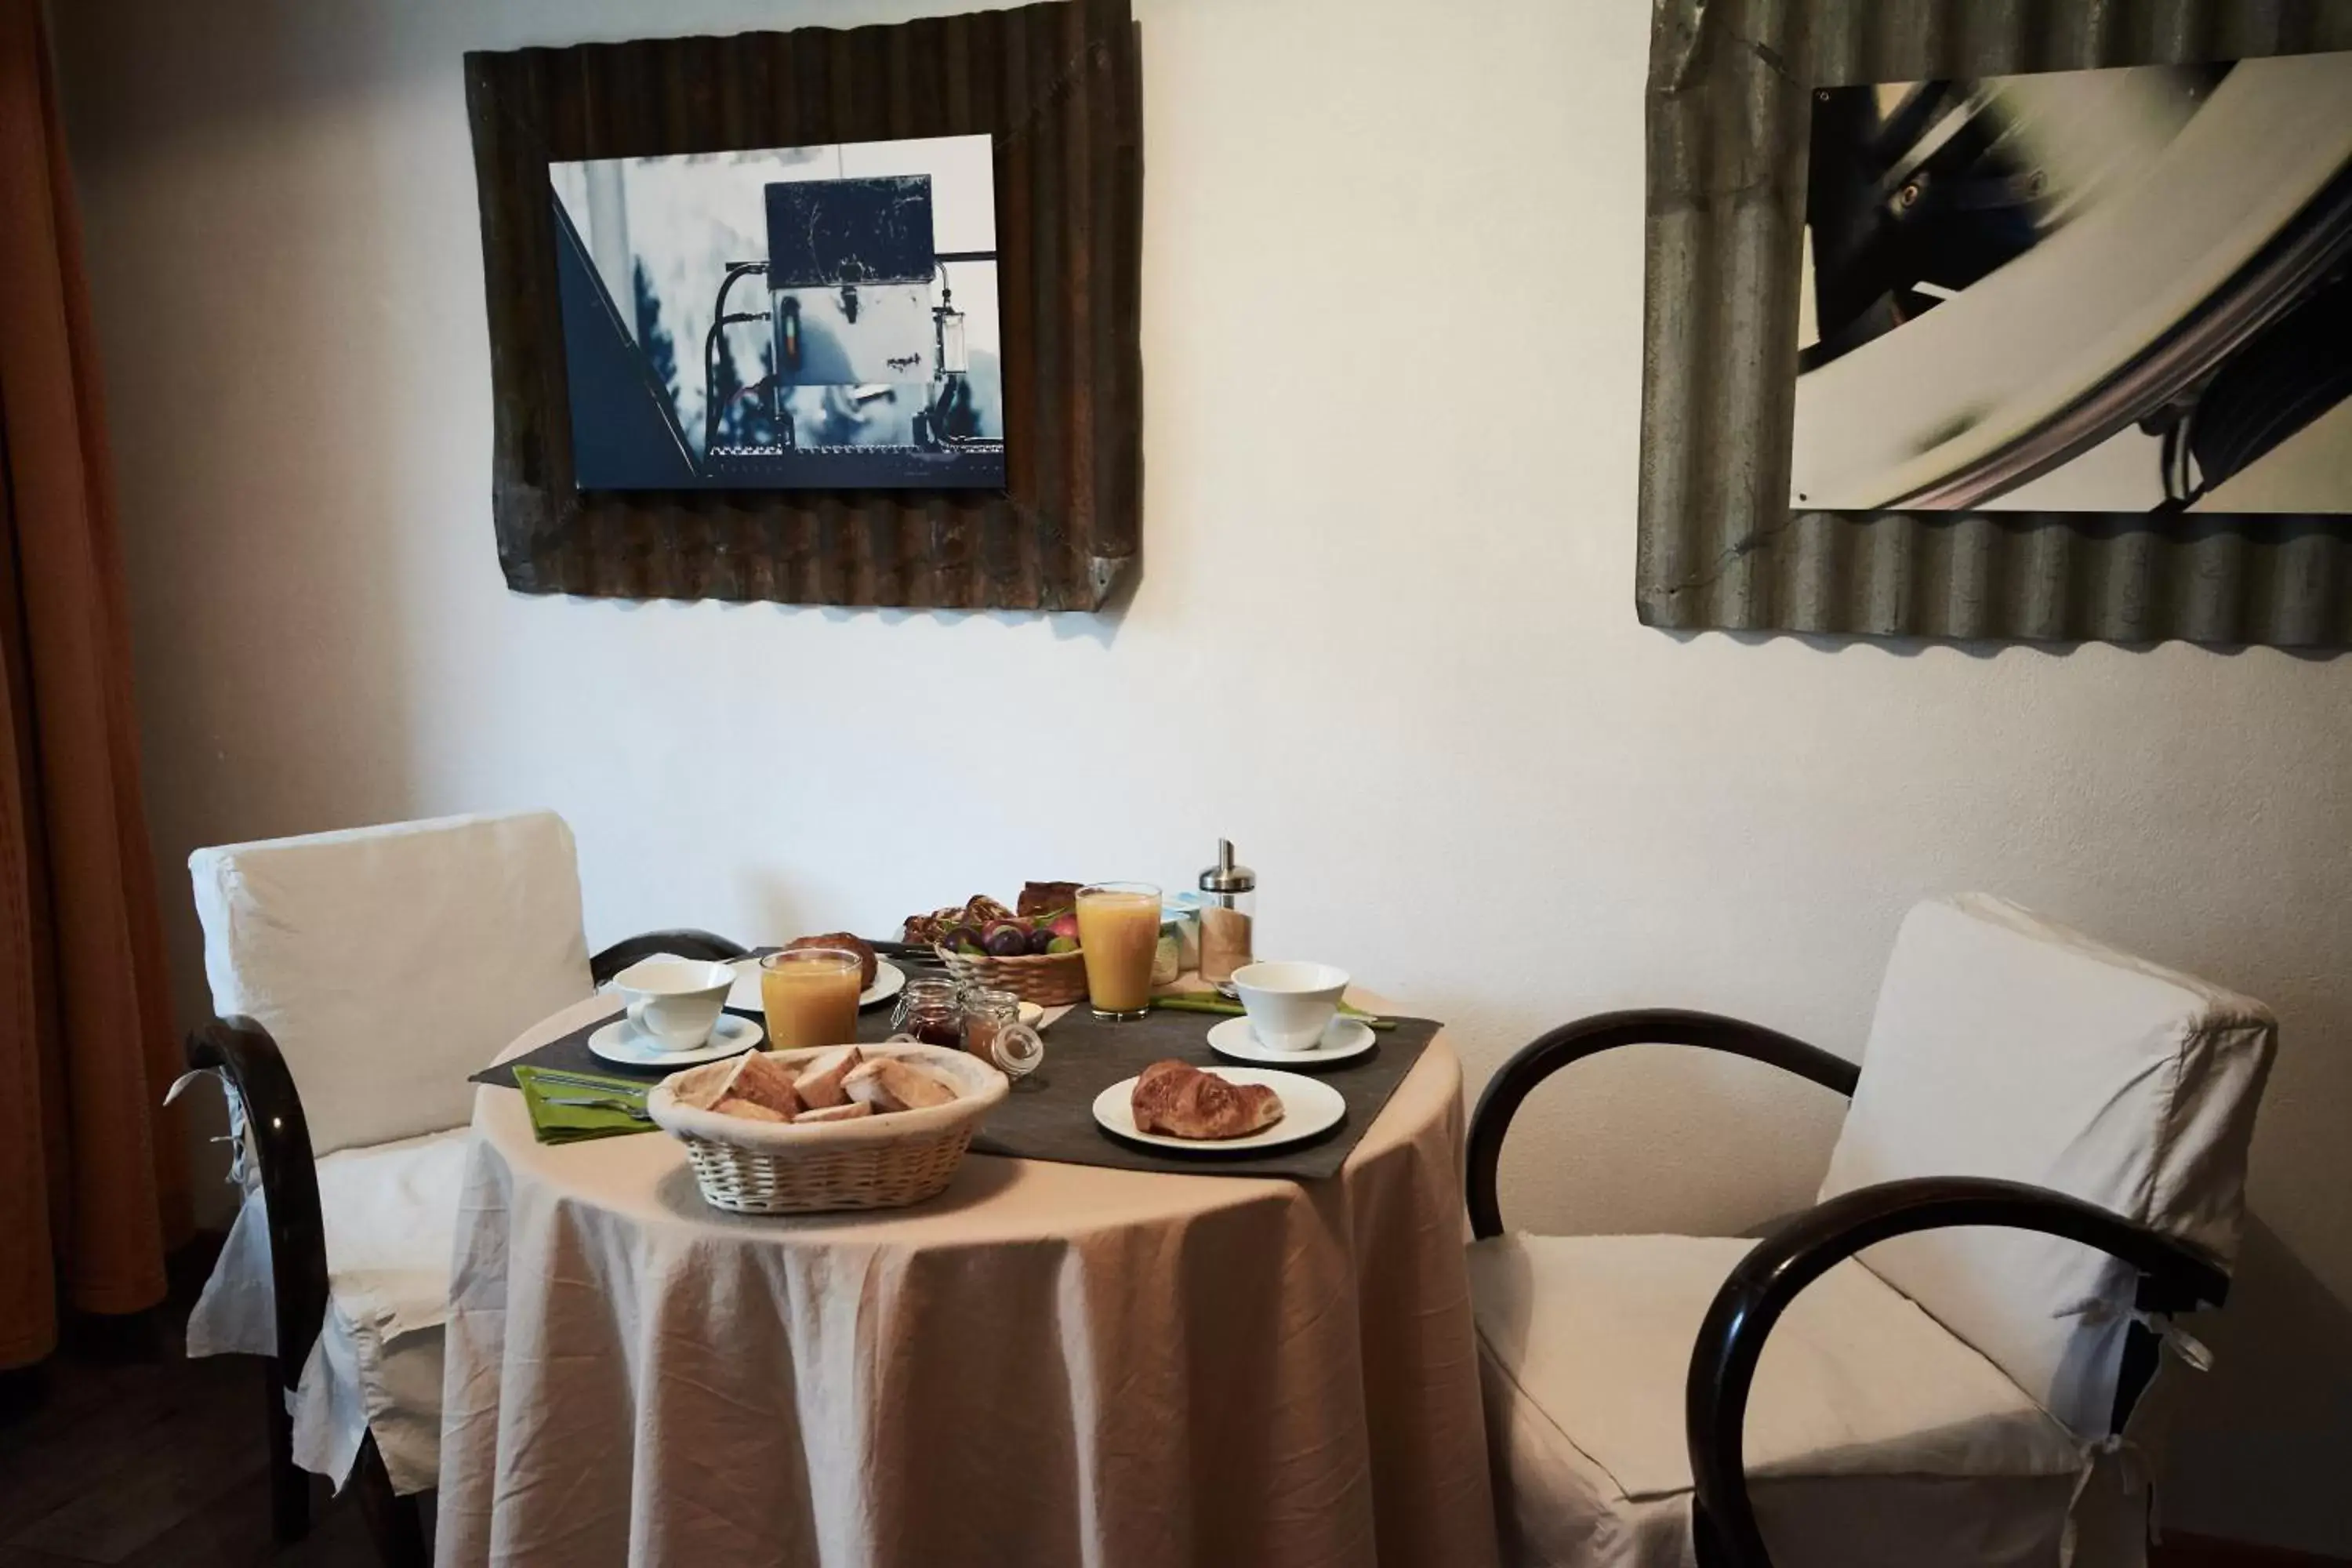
<point x="1005" y="938"/>
<point x="1042" y="940"/>
<point x="957" y="938"/>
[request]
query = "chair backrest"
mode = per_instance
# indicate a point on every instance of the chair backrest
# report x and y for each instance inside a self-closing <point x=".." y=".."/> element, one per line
<point x="2006" y="1045"/>
<point x="390" y="962"/>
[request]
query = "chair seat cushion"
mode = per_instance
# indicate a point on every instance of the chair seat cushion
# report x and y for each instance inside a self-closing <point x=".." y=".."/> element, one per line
<point x="1860" y="1397"/>
<point x="391" y="1214"/>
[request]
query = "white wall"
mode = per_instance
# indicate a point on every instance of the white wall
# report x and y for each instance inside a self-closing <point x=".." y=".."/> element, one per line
<point x="1385" y="638"/>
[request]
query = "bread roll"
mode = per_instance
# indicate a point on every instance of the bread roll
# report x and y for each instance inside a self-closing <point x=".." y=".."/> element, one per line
<point x="1047" y="899"/>
<point x="748" y="1109"/>
<point x="886" y="1083"/>
<point x="819" y="1084"/>
<point x="850" y="1113"/>
<point x="763" y="1081"/>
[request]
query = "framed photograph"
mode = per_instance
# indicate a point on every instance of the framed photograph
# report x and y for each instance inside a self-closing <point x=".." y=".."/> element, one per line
<point x="1998" y="322"/>
<point x="783" y="318"/>
<point x="2119" y="290"/>
<point x="826" y="316"/>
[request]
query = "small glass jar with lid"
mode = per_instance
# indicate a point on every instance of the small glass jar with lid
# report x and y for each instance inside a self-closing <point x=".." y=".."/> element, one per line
<point x="1228" y="916"/>
<point x="930" y="1010"/>
<point x="993" y="1032"/>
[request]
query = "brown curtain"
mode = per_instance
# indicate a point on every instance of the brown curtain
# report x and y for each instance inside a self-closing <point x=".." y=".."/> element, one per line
<point x="93" y="1184"/>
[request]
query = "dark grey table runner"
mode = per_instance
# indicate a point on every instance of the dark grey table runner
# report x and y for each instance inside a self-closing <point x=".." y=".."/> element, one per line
<point x="1049" y="1115"/>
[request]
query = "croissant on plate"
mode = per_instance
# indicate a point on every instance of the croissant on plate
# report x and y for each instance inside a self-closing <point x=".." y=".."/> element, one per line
<point x="1177" y="1099"/>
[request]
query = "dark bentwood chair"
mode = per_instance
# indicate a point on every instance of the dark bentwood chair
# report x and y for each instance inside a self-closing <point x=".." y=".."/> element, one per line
<point x="2004" y="1047"/>
<point x="289" y="1224"/>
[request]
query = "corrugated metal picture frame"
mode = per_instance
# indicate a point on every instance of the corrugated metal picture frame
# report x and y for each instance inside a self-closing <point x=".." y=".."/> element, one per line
<point x="1720" y="548"/>
<point x="1058" y="89"/>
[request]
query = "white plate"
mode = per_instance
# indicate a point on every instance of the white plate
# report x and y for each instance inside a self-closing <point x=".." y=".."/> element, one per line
<point x="889" y="981"/>
<point x="1343" y="1039"/>
<point x="623" y="1042"/>
<point x="1307" y="1108"/>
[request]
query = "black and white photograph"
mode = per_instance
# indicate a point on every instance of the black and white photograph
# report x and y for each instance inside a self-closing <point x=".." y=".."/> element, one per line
<point x="2126" y="290"/>
<point x="788" y="317"/>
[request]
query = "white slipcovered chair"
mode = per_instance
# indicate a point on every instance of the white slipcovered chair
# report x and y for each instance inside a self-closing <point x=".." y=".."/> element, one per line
<point x="2046" y="1154"/>
<point x="360" y="977"/>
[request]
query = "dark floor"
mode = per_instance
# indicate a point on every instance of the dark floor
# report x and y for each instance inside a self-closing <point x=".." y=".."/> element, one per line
<point x="120" y="1451"/>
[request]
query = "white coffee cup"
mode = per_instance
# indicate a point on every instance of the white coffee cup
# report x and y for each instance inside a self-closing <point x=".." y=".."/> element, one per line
<point x="675" y="1001"/>
<point x="1289" y="1005"/>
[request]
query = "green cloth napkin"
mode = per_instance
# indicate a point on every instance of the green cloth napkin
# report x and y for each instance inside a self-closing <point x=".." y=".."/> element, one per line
<point x="608" y="1115"/>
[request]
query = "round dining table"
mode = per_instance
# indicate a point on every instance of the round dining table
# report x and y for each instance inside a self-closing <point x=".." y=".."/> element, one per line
<point x="1046" y="1364"/>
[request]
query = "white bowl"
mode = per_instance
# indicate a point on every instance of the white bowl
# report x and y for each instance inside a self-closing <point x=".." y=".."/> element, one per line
<point x="1289" y="1005"/>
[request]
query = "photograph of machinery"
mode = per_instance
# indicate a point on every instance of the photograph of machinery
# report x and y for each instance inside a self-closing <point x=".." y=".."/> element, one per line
<point x="2122" y="291"/>
<point x="783" y="319"/>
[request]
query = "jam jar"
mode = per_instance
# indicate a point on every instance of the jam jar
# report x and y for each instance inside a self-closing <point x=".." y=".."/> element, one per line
<point x="932" y="1011"/>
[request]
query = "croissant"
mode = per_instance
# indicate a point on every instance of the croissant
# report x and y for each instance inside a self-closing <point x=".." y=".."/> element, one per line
<point x="1177" y="1099"/>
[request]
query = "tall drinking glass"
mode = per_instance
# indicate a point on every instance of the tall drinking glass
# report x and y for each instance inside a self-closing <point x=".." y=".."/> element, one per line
<point x="1118" y="931"/>
<point x="810" y="994"/>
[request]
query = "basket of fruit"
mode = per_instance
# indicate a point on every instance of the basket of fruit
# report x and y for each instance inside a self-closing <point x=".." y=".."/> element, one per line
<point x="1031" y="952"/>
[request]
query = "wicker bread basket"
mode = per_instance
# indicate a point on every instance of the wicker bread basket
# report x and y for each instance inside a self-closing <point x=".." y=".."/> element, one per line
<point x="872" y="1162"/>
<point x="1048" y="979"/>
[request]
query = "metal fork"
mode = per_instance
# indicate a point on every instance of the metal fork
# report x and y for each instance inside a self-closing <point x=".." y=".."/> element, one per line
<point x="612" y="1085"/>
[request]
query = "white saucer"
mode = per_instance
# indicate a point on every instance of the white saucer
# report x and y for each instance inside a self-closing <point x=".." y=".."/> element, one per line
<point x="1344" y="1039"/>
<point x="623" y="1042"/>
<point x="889" y="981"/>
<point x="1308" y="1108"/>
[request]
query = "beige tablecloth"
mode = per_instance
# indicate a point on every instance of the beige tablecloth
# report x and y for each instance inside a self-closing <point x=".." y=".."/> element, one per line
<point x="1047" y="1364"/>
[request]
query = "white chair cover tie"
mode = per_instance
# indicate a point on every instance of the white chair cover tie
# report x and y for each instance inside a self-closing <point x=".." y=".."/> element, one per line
<point x="237" y="1314"/>
<point x="2130" y="1456"/>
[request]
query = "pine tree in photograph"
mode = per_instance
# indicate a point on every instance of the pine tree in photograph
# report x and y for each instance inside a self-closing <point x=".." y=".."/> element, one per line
<point x="653" y="339"/>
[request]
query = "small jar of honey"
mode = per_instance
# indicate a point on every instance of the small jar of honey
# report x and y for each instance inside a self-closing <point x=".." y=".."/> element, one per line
<point x="993" y="1032"/>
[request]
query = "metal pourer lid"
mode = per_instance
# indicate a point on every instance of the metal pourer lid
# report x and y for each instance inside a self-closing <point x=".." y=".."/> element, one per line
<point x="1225" y="876"/>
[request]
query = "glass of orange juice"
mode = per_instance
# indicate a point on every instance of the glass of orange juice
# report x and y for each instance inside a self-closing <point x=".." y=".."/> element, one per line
<point x="1119" y="932"/>
<point x="810" y="994"/>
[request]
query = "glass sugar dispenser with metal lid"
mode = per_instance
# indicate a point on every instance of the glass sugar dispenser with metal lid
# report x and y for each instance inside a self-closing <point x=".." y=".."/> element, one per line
<point x="1228" y="914"/>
